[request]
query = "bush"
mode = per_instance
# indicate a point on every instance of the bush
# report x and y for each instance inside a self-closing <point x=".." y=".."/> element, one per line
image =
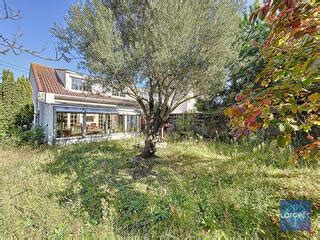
<point x="19" y="136"/>
<point x="8" y="141"/>
<point x="183" y="129"/>
<point x="185" y="123"/>
<point x="34" y="136"/>
<point x="24" y="117"/>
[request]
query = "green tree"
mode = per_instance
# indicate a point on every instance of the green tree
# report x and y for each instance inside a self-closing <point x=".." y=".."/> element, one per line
<point x="8" y="96"/>
<point x="16" y="108"/>
<point x="249" y="62"/>
<point x="244" y="68"/>
<point x="8" y="88"/>
<point x="171" y="51"/>
<point x="23" y="105"/>
<point x="288" y="96"/>
<point x="2" y="116"/>
<point x="0" y="91"/>
<point x="3" y="120"/>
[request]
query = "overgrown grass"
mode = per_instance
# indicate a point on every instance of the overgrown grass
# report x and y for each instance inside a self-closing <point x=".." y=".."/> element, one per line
<point x="203" y="190"/>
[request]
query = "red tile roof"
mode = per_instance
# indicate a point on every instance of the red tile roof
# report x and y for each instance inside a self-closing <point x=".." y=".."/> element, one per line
<point x="47" y="80"/>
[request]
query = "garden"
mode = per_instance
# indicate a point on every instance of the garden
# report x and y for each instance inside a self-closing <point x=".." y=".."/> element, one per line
<point x="190" y="190"/>
<point x="218" y="171"/>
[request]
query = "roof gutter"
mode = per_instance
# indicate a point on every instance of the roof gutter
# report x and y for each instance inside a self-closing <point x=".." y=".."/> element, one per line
<point x="95" y="100"/>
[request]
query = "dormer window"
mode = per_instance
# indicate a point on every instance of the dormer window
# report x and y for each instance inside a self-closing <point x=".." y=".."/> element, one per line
<point x="117" y="93"/>
<point x="79" y="85"/>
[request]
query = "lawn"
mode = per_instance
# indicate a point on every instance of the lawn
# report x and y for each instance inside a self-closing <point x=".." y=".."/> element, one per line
<point x="204" y="190"/>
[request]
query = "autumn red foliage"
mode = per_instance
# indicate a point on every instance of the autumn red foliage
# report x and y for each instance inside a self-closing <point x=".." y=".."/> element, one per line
<point x="289" y="92"/>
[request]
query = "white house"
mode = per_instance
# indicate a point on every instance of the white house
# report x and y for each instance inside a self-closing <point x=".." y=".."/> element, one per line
<point x="69" y="112"/>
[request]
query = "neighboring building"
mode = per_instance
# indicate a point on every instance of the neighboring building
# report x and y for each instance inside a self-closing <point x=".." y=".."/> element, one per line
<point x="186" y="107"/>
<point x="69" y="111"/>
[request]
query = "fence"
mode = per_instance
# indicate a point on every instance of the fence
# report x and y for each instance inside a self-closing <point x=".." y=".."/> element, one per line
<point x="208" y="125"/>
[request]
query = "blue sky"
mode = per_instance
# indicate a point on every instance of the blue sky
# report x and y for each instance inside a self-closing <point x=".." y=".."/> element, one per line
<point x="37" y="17"/>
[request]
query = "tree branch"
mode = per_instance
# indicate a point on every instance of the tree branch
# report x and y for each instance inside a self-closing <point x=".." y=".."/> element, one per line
<point x="179" y="103"/>
<point x="11" y="45"/>
<point x="9" y="13"/>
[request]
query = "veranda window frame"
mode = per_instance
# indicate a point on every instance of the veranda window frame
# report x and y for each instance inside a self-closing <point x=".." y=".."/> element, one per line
<point x="107" y="124"/>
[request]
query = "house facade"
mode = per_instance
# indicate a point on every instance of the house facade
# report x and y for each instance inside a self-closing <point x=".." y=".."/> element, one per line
<point x="70" y="112"/>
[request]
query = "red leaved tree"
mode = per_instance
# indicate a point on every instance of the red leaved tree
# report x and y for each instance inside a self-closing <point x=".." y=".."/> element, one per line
<point x="289" y="92"/>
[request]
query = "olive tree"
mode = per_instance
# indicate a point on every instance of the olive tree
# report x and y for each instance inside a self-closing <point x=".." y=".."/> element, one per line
<point x="162" y="53"/>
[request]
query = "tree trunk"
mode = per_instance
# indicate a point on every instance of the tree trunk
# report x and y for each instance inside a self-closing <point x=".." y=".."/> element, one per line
<point x="151" y="133"/>
<point x="149" y="146"/>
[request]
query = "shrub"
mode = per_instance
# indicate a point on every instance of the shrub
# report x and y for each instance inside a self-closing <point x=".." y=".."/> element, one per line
<point x="24" y="117"/>
<point x="34" y="136"/>
<point x="183" y="129"/>
<point x="185" y="123"/>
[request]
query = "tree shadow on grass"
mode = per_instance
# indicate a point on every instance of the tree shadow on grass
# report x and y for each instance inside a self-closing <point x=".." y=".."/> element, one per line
<point x="240" y="192"/>
<point x="200" y="194"/>
<point x="95" y="172"/>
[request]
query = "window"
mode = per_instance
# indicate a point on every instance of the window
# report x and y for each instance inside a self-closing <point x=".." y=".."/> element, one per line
<point x="117" y="123"/>
<point x="95" y="123"/>
<point x="117" y="93"/>
<point x="79" y="85"/>
<point x="108" y="121"/>
<point x="73" y="119"/>
<point x="101" y="120"/>
<point x="133" y="122"/>
<point x="69" y="124"/>
<point x="90" y="118"/>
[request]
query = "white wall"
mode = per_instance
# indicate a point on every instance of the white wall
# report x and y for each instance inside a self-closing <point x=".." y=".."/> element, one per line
<point x="46" y="120"/>
<point x="188" y="106"/>
<point x="96" y="88"/>
<point x="68" y="79"/>
<point x="34" y="93"/>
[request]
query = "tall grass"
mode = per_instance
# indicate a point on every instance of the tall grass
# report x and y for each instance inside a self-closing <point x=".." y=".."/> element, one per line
<point x="191" y="190"/>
